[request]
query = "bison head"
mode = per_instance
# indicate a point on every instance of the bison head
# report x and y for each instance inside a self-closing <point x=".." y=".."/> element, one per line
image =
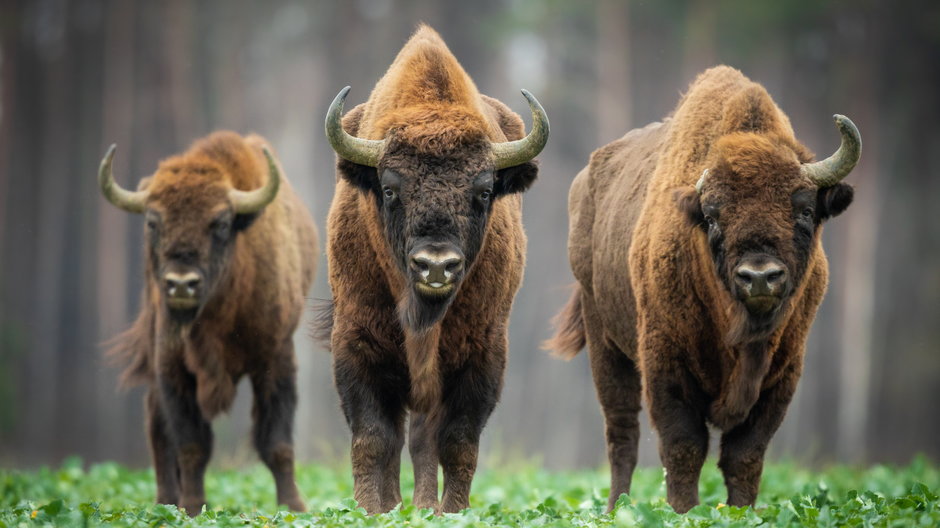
<point x="761" y="209"/>
<point x="192" y="216"/>
<point x="434" y="178"/>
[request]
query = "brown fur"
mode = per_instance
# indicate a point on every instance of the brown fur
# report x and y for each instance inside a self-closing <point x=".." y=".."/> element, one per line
<point x="437" y="127"/>
<point x="670" y="316"/>
<point x="244" y="327"/>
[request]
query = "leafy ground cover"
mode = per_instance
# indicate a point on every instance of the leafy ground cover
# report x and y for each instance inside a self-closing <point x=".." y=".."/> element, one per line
<point x="524" y="495"/>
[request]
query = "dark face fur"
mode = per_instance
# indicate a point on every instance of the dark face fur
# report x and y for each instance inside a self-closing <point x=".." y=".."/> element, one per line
<point x="434" y="213"/>
<point x="761" y="228"/>
<point x="190" y="233"/>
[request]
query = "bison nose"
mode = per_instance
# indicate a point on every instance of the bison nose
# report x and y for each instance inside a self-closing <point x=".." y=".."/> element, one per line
<point x="765" y="278"/>
<point x="437" y="269"/>
<point x="182" y="289"/>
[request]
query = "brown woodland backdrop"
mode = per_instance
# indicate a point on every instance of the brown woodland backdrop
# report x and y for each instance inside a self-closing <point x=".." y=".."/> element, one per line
<point x="77" y="75"/>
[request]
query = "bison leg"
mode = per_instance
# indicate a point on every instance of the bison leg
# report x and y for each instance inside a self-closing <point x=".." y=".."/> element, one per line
<point x="619" y="391"/>
<point x="275" y="398"/>
<point x="683" y="436"/>
<point x="469" y="399"/>
<point x="743" y="447"/>
<point x="376" y="417"/>
<point x="422" y="444"/>
<point x="162" y="451"/>
<point x="191" y="433"/>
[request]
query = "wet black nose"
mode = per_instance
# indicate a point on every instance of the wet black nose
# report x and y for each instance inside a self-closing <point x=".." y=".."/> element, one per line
<point x="437" y="267"/>
<point x="761" y="278"/>
<point x="182" y="285"/>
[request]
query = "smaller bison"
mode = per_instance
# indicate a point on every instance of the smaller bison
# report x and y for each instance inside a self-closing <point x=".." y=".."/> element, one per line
<point x="230" y="254"/>
<point x="425" y="252"/>
<point x="718" y="212"/>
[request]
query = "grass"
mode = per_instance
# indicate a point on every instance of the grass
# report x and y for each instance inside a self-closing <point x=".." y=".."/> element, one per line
<point x="524" y="495"/>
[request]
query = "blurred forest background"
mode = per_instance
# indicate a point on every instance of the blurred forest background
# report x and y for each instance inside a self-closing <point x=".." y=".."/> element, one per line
<point x="77" y="75"/>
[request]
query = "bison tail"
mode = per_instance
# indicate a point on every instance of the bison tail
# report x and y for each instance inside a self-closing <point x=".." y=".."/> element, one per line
<point x="569" y="336"/>
<point x="133" y="349"/>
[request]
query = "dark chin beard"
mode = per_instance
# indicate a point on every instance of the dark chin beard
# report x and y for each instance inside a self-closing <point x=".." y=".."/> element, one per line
<point x="750" y="328"/>
<point x="182" y="317"/>
<point x="419" y="313"/>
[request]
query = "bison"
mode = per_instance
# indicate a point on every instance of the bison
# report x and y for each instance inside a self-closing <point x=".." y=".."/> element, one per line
<point x="696" y="245"/>
<point x="230" y="254"/>
<point x="425" y="252"/>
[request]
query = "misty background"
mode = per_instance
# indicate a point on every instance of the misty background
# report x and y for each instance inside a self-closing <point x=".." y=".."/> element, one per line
<point x="77" y="75"/>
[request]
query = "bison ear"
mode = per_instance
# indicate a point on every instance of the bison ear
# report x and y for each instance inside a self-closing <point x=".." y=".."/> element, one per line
<point x="243" y="221"/>
<point x="690" y="205"/>
<point x="831" y="201"/>
<point x="359" y="176"/>
<point x="516" y="179"/>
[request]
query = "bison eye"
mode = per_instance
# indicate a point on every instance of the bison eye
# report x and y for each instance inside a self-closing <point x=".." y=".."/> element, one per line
<point x="710" y="221"/>
<point x="808" y="212"/>
<point x="220" y="229"/>
<point x="388" y="192"/>
<point x="485" y="195"/>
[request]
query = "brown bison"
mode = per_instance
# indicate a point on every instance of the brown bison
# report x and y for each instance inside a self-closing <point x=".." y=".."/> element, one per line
<point x="426" y="251"/>
<point x="718" y="211"/>
<point x="230" y="254"/>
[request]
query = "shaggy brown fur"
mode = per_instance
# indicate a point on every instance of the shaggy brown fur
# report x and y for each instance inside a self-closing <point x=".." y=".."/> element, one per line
<point x="258" y="269"/>
<point x="674" y="315"/>
<point x="392" y="349"/>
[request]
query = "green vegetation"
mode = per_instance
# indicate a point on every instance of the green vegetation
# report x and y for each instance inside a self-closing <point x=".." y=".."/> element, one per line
<point x="109" y="494"/>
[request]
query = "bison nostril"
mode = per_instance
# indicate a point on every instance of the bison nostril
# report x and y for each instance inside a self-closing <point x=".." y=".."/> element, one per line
<point x="746" y="275"/>
<point x="452" y="266"/>
<point x="775" y="276"/>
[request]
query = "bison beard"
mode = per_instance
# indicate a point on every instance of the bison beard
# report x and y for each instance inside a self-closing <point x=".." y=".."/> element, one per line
<point x="718" y="211"/>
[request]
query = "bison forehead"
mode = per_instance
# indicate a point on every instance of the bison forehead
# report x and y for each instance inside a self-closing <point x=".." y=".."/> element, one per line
<point x="438" y="130"/>
<point x="756" y="165"/>
<point x="179" y="192"/>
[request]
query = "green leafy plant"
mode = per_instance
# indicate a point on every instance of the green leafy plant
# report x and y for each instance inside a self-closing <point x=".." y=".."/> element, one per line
<point x="517" y="495"/>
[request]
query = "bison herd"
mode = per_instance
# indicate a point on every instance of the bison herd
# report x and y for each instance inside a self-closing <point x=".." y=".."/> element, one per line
<point x="695" y="243"/>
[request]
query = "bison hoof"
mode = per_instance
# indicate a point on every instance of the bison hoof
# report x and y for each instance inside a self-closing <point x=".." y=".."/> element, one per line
<point x="192" y="507"/>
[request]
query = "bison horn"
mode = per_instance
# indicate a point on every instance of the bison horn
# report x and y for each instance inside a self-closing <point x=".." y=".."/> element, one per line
<point x="833" y="169"/>
<point x="512" y="153"/>
<point x="247" y="202"/>
<point x="357" y="150"/>
<point x="130" y="201"/>
<point x="701" y="181"/>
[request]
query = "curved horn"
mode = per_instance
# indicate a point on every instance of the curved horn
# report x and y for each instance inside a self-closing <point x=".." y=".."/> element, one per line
<point x="701" y="181"/>
<point x="357" y="150"/>
<point x="247" y="202"/>
<point x="512" y="153"/>
<point x="130" y="201"/>
<point x="833" y="169"/>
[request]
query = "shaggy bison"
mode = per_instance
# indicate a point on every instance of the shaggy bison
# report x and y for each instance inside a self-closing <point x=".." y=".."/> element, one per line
<point x="230" y="253"/>
<point x="718" y="211"/>
<point x="425" y="252"/>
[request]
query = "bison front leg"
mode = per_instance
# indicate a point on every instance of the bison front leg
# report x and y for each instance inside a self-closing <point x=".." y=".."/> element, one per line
<point x="422" y="445"/>
<point x="679" y="419"/>
<point x="275" y="398"/>
<point x="743" y="447"/>
<point x="374" y="410"/>
<point x="191" y="433"/>
<point x="469" y="398"/>
<point x="162" y="450"/>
